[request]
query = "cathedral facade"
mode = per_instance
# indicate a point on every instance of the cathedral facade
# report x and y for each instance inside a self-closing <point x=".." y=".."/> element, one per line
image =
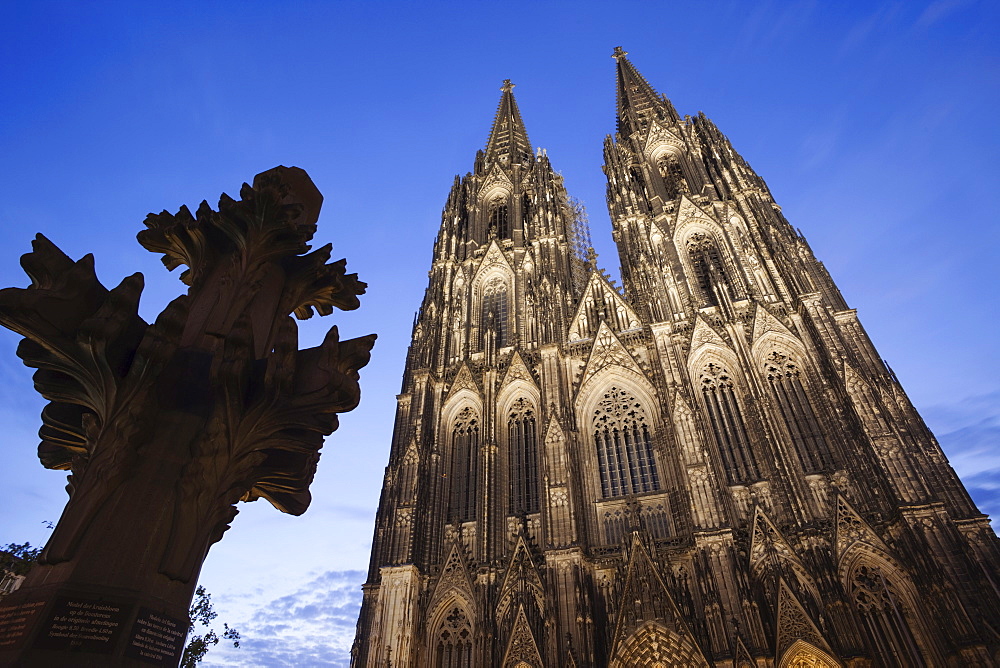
<point x="709" y="467"/>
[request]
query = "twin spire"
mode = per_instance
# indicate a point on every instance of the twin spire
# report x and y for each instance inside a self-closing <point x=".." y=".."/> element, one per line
<point x="638" y="102"/>
<point x="638" y="105"/>
<point x="508" y="137"/>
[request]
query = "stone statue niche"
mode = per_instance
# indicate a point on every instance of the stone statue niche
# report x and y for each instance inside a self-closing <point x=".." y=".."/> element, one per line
<point x="165" y="426"/>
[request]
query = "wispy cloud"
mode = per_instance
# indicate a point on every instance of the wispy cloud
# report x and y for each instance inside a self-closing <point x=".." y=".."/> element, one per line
<point x="969" y="433"/>
<point x="313" y="626"/>
<point x="937" y="11"/>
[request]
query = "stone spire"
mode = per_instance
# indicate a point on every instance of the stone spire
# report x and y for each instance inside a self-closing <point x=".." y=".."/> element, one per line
<point x="508" y="138"/>
<point x="638" y="102"/>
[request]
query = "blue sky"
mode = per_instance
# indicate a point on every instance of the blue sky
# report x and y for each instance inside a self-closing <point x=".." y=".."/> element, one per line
<point x="873" y="123"/>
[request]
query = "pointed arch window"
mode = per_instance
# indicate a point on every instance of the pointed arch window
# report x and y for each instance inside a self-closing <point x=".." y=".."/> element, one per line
<point x="707" y="266"/>
<point x="526" y="208"/>
<point x="884" y="616"/>
<point x="493" y="316"/>
<point x="796" y="411"/>
<point x="727" y="425"/>
<point x="672" y="175"/>
<point x="523" y="452"/>
<point x="464" y="466"/>
<point x="624" y="447"/>
<point x="499" y="218"/>
<point x="454" y="641"/>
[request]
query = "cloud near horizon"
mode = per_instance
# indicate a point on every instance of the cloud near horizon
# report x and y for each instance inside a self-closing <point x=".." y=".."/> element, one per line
<point x="969" y="433"/>
<point x="312" y="626"/>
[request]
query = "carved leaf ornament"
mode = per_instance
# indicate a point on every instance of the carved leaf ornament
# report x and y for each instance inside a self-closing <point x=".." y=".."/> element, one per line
<point x="216" y="388"/>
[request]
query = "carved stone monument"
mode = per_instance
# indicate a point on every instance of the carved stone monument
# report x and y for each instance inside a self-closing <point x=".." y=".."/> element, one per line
<point x="165" y="426"/>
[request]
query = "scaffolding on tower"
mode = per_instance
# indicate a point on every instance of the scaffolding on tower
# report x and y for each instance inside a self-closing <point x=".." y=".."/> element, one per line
<point x="584" y="256"/>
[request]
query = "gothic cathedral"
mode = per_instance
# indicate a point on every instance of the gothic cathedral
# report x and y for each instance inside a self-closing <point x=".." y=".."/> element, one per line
<point x="710" y="467"/>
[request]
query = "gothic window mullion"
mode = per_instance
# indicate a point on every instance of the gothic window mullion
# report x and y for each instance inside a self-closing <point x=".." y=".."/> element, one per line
<point x="737" y="436"/>
<point x="524" y="461"/>
<point x="730" y="439"/>
<point x="493" y="313"/>
<point x="632" y="460"/>
<point x="811" y="424"/>
<point x="747" y="459"/>
<point x="618" y="481"/>
<point x="654" y="477"/>
<point x="473" y="474"/>
<point x="719" y="430"/>
<point x="603" y="462"/>
<point x="795" y="419"/>
<point x="641" y="457"/>
<point x="787" y="411"/>
<point x="531" y="479"/>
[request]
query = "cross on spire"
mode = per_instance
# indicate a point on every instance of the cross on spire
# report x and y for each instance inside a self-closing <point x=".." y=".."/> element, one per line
<point x="619" y="53"/>
<point x="507" y="86"/>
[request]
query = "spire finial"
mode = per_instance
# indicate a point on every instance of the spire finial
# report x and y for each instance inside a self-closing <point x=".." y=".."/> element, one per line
<point x="507" y="86"/>
<point x="619" y="53"/>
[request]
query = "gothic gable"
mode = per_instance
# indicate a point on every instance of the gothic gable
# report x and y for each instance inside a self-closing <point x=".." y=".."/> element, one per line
<point x="463" y="381"/>
<point x="493" y="260"/>
<point x="744" y="659"/>
<point x="851" y="529"/>
<point x="794" y="624"/>
<point x="660" y="135"/>
<point x="454" y="578"/>
<point x="649" y="626"/>
<point x="554" y="432"/>
<point x="772" y="557"/>
<point x="608" y="351"/>
<point x="522" y="579"/>
<point x="767" y="542"/>
<point x="497" y="179"/>
<point x="690" y="214"/>
<point x="522" y="649"/>
<point x="601" y="303"/>
<point x="517" y="370"/>
<point x="764" y="322"/>
<point x="527" y="262"/>
<point x="412" y="454"/>
<point x="704" y="336"/>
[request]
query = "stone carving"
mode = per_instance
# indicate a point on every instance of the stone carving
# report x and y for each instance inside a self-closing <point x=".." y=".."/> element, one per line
<point x="517" y="370"/>
<point x="794" y="623"/>
<point x="851" y="529"/>
<point x="601" y="303"/>
<point x="164" y="427"/>
<point x="463" y="381"/>
<point x="522" y="650"/>
<point x="607" y="351"/>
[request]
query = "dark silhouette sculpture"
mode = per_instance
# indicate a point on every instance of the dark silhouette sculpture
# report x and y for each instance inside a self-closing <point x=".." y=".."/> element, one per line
<point x="165" y="426"/>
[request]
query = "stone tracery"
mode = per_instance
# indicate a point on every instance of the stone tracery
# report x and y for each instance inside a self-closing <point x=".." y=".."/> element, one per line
<point x="624" y="446"/>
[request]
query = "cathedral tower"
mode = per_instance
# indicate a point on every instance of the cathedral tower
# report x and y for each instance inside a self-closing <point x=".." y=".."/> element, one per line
<point x="712" y="467"/>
